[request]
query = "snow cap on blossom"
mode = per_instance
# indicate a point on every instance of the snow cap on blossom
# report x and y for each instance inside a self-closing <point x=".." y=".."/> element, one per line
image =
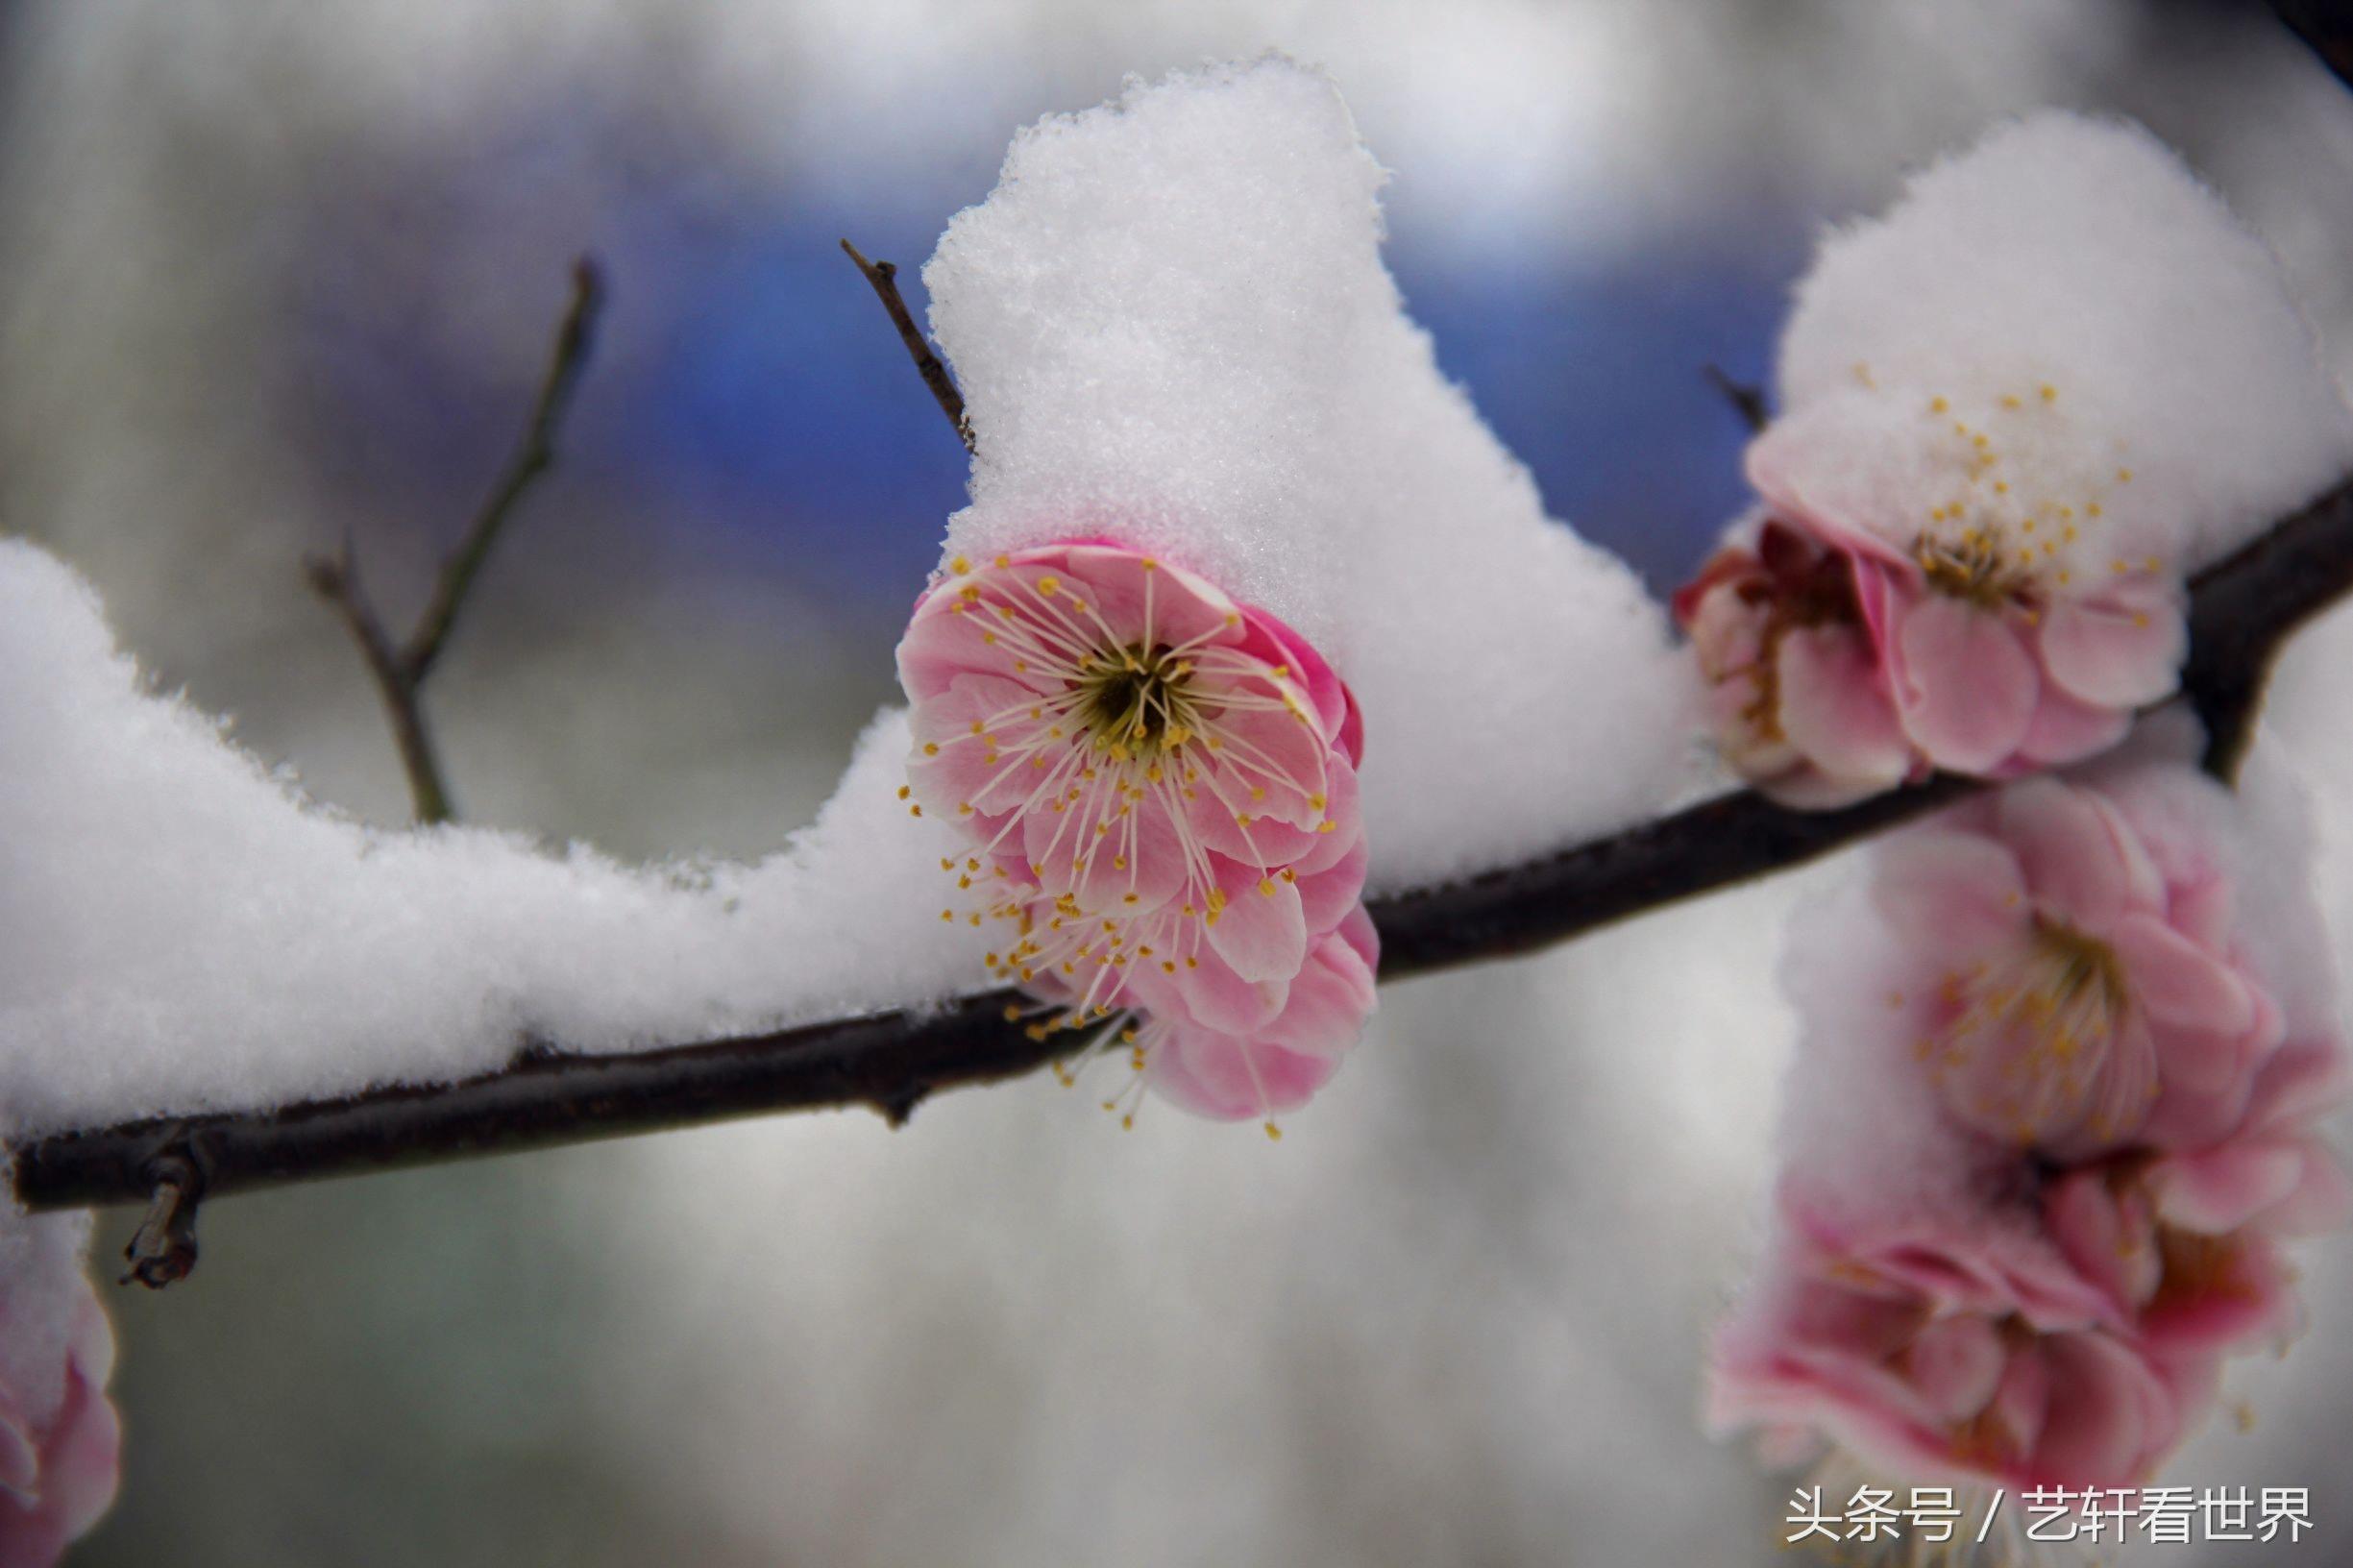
<point x="2016" y="412"/>
<point x="1157" y="785"/>
<point x="2060" y="991"/>
<point x="60" y="1442"/>
<point x="1171" y="323"/>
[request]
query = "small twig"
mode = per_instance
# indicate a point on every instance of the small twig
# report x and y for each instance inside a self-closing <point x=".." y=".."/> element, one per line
<point x="336" y="578"/>
<point x="399" y="671"/>
<point x="163" y="1250"/>
<point x="1747" y="400"/>
<point x="533" y="455"/>
<point x="884" y="275"/>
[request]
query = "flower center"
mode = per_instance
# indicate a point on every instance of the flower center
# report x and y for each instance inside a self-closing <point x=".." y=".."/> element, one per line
<point x="1136" y="699"/>
<point x="2034" y="1037"/>
<point x="1978" y="567"/>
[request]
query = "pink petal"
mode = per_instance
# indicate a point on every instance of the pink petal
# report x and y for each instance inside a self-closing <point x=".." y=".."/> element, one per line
<point x="1955" y="1364"/>
<point x="1948" y="896"/>
<point x="1123" y="592"/>
<point x="1835" y="711"/>
<point x="2118" y="649"/>
<point x="1327" y="695"/>
<point x="2222" y="1188"/>
<point x="2111" y="1237"/>
<point x="2065" y="730"/>
<point x="1262" y="932"/>
<point x="1326" y="896"/>
<point x="2179" y="984"/>
<point x="2105" y="1415"/>
<point x="1329" y="1002"/>
<point x="1969" y="686"/>
<point x="1232" y="1079"/>
<point x="2083" y="865"/>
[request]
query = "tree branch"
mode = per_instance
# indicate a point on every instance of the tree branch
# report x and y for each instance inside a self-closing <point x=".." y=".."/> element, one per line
<point x="399" y="671"/>
<point x="884" y="275"/>
<point x="2242" y="611"/>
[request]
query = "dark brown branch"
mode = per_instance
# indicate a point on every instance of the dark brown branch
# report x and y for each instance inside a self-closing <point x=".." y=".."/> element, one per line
<point x="2326" y="26"/>
<point x="884" y="275"/>
<point x="2243" y="609"/>
<point x="399" y="671"/>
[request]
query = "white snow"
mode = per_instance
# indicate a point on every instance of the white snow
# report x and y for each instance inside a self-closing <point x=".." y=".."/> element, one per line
<point x="183" y="930"/>
<point x="2079" y="255"/>
<point x="41" y="1298"/>
<point x="1173" y="324"/>
<point x="1172" y="327"/>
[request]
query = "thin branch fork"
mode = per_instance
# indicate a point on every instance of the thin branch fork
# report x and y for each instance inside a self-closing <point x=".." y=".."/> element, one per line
<point x="399" y="670"/>
<point x="2242" y="610"/>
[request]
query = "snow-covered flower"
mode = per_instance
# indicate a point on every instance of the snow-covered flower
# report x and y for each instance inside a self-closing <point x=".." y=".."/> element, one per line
<point x="1963" y="602"/>
<point x="2053" y="1116"/>
<point x="2185" y="1244"/>
<point x="1158" y="785"/>
<point x="59" y="1441"/>
<point x="2062" y="991"/>
<point x="1963" y="1351"/>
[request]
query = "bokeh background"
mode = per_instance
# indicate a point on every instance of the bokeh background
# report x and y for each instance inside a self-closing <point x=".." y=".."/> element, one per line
<point x="276" y="274"/>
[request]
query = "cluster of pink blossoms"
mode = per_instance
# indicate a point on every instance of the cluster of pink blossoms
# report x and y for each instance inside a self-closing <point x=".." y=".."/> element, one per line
<point x="1855" y="636"/>
<point x="1159" y="787"/>
<point x="2097" y="1124"/>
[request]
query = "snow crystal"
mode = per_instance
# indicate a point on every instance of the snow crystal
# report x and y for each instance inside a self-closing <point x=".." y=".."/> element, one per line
<point x="183" y="930"/>
<point x="1172" y="327"/>
<point x="2070" y="287"/>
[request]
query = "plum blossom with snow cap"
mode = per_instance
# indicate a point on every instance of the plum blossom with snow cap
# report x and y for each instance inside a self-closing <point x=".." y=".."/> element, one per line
<point x="1975" y="597"/>
<point x="2058" y="986"/>
<point x="1159" y="787"/>
<point x="2057" y="1111"/>
<point x="1959" y="1350"/>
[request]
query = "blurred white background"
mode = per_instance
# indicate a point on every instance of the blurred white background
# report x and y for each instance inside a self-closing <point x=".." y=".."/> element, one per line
<point x="273" y="273"/>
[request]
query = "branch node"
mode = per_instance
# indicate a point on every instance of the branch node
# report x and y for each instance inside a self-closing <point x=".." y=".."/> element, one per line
<point x="163" y="1250"/>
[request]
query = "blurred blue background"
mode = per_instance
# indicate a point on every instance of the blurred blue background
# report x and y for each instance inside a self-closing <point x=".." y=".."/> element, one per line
<point x="274" y="274"/>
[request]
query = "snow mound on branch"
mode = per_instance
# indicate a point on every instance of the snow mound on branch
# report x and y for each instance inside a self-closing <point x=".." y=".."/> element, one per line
<point x="1172" y="327"/>
<point x="1173" y="323"/>
<point x="181" y="930"/>
<point x="2069" y="289"/>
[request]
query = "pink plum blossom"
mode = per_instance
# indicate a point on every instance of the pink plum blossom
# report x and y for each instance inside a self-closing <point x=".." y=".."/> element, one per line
<point x="1159" y="784"/>
<point x="1960" y="1352"/>
<point x="1793" y="686"/>
<point x="59" y="1441"/>
<point x="2060" y="991"/>
<point x="2186" y="1243"/>
<point x="1877" y="628"/>
<point x="2055" y="1112"/>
